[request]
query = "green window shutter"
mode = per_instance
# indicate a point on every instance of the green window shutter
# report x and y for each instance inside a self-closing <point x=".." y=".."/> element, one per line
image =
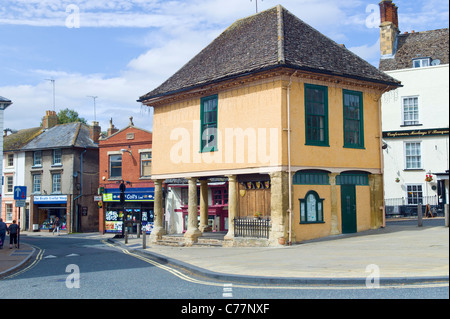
<point x="208" y="133"/>
<point x="353" y="119"/>
<point x="353" y="179"/>
<point x="316" y="115"/>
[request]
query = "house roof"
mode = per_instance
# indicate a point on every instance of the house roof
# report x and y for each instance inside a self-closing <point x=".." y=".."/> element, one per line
<point x="17" y="140"/>
<point x="433" y="44"/>
<point x="270" y="39"/>
<point x="62" y="136"/>
<point x="4" y="99"/>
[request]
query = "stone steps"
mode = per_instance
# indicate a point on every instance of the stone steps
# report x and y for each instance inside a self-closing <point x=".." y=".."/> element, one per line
<point x="179" y="241"/>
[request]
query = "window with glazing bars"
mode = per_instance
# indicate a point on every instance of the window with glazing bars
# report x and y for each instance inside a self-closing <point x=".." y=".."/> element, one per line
<point x="410" y="110"/>
<point x="353" y="119"/>
<point x="208" y="134"/>
<point x="316" y="114"/>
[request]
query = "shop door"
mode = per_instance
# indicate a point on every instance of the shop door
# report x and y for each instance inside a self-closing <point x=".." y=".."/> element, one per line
<point x="348" y="209"/>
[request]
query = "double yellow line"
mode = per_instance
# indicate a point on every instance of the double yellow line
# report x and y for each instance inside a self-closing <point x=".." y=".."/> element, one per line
<point x="34" y="263"/>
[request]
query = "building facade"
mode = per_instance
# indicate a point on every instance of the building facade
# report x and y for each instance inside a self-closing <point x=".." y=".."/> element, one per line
<point x="290" y="118"/>
<point x="416" y="115"/>
<point x="61" y="175"/>
<point x="126" y="158"/>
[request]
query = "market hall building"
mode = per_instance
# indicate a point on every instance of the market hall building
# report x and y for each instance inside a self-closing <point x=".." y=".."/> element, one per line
<point x="125" y="158"/>
<point x="290" y="118"/>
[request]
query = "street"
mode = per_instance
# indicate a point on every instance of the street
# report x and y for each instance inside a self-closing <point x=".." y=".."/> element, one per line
<point x="77" y="267"/>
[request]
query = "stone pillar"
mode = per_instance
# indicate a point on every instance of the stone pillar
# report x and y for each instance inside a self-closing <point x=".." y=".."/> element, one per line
<point x="204" y="227"/>
<point x="192" y="232"/>
<point x="232" y="206"/>
<point x="376" y="200"/>
<point x="279" y="204"/>
<point x="334" y="205"/>
<point x="158" y="228"/>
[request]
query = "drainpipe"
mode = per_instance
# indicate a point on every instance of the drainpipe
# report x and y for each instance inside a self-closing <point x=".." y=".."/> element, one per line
<point x="289" y="155"/>
<point x="81" y="187"/>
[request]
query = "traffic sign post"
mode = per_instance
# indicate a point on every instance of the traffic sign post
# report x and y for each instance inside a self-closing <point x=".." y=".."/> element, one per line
<point x="20" y="196"/>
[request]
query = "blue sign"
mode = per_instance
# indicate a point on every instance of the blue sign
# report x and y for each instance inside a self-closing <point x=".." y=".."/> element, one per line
<point x="131" y="195"/>
<point x="20" y="192"/>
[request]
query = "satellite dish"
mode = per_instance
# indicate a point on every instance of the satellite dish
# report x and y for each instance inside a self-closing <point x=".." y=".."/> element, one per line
<point x="436" y="62"/>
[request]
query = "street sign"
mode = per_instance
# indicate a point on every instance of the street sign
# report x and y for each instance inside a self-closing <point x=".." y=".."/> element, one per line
<point x="20" y="192"/>
<point x="20" y="203"/>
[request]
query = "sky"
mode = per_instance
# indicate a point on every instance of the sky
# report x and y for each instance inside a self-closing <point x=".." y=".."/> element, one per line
<point x="119" y="50"/>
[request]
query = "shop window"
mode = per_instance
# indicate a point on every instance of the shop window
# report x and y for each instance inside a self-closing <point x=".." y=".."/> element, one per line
<point x="311" y="208"/>
<point x="220" y="196"/>
<point x="115" y="166"/>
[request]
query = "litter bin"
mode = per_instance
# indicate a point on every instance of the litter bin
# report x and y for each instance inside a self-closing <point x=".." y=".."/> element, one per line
<point x="35" y="227"/>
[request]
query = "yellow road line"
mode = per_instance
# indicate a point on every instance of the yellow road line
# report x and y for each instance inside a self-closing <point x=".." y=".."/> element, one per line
<point x="328" y="287"/>
<point x="34" y="263"/>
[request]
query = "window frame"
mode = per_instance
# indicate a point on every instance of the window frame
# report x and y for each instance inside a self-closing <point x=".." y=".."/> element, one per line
<point x="57" y="155"/>
<point x="9" y="185"/>
<point x="360" y="144"/>
<point x="115" y="167"/>
<point x="304" y="217"/>
<point x="414" y="200"/>
<point x="10" y="160"/>
<point x="405" y="155"/>
<point x="309" y="115"/>
<point x="56" y="185"/>
<point x="204" y="145"/>
<point x="146" y="161"/>
<point x="415" y="122"/>
<point x="421" y="61"/>
<point x="35" y="190"/>
<point x="37" y="158"/>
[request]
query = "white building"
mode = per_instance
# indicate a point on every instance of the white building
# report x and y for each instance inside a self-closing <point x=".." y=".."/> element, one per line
<point x="4" y="103"/>
<point x="416" y="116"/>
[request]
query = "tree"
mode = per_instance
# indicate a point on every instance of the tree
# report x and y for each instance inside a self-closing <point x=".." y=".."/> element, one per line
<point x="69" y="116"/>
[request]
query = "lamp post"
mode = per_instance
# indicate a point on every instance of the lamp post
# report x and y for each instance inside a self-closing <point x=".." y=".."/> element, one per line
<point x="4" y="103"/>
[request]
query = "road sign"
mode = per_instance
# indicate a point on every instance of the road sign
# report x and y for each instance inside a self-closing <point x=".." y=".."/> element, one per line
<point x="20" y="203"/>
<point x="20" y="192"/>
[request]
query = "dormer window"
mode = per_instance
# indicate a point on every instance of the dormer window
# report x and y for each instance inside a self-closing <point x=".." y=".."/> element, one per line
<point x="421" y="62"/>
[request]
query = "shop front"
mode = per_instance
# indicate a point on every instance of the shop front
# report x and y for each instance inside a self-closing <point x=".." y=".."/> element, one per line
<point x="136" y="212"/>
<point x="49" y="208"/>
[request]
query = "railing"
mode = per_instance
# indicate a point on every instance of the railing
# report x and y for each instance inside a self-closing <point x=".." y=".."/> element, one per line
<point x="252" y="227"/>
<point x="406" y="207"/>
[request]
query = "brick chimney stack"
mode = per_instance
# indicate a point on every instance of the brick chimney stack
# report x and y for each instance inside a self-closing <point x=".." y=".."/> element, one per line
<point x="94" y="132"/>
<point x="49" y="120"/>
<point x="112" y="129"/>
<point x="388" y="29"/>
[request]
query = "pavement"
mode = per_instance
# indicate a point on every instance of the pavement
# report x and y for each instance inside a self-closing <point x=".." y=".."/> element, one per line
<point x="398" y="253"/>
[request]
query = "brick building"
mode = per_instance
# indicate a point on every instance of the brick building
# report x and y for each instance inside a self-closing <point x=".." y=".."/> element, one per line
<point x="125" y="156"/>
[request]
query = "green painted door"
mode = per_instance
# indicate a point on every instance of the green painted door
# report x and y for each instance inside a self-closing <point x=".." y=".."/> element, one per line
<point x="348" y="209"/>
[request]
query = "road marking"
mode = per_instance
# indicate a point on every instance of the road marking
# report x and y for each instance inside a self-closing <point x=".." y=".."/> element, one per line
<point x="73" y="255"/>
<point x="50" y="257"/>
<point x="33" y="264"/>
<point x="292" y="287"/>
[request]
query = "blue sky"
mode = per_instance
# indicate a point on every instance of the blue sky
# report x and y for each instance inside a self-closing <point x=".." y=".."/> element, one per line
<point x="119" y="50"/>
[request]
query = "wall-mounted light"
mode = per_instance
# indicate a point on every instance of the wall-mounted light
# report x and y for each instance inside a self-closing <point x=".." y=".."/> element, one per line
<point x="123" y="150"/>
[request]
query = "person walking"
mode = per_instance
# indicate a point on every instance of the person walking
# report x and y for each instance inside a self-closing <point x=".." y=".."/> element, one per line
<point x="3" y="230"/>
<point x="56" y="226"/>
<point x="13" y="230"/>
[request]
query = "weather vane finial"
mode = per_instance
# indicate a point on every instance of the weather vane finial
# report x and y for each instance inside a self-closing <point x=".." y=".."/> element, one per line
<point x="256" y="5"/>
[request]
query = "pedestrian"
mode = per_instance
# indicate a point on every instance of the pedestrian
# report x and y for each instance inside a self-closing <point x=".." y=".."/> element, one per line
<point x="3" y="229"/>
<point x="13" y="229"/>
<point x="56" y="226"/>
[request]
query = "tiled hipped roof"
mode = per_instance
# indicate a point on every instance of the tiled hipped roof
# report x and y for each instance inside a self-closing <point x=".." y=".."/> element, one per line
<point x="433" y="44"/>
<point x="270" y="39"/>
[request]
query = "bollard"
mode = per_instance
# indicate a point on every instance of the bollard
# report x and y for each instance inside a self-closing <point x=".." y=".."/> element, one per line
<point x="446" y="214"/>
<point x="144" y="238"/>
<point x="419" y="215"/>
<point x="126" y="235"/>
<point x="138" y="230"/>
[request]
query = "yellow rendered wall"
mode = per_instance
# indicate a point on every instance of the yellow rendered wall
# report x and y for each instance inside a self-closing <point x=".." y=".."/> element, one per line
<point x="334" y="156"/>
<point x="249" y="107"/>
